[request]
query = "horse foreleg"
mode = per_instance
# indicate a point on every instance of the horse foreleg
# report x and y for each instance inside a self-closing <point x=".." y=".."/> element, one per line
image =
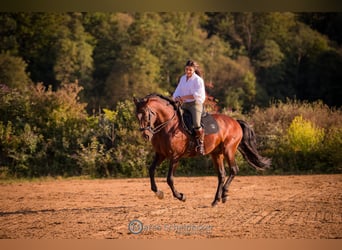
<point x="221" y="174"/>
<point x="158" y="159"/>
<point x="170" y="175"/>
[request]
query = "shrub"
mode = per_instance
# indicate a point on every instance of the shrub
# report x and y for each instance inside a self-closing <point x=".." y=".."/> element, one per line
<point x="303" y="135"/>
<point x="299" y="136"/>
<point x="116" y="148"/>
<point x="132" y="154"/>
<point x="43" y="130"/>
<point x="94" y="160"/>
<point x="19" y="149"/>
<point x="331" y="151"/>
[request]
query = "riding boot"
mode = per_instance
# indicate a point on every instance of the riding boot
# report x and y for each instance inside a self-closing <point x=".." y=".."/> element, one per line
<point x="199" y="141"/>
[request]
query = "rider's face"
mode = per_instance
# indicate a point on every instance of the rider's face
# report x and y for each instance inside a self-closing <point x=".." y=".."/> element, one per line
<point x="189" y="71"/>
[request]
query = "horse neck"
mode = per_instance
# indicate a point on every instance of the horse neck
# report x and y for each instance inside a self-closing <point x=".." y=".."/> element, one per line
<point x="164" y="112"/>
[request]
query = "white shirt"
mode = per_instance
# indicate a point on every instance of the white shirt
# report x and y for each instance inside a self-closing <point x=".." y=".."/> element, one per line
<point x="193" y="86"/>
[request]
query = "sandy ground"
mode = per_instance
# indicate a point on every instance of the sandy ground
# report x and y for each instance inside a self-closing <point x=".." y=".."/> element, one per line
<point x="259" y="207"/>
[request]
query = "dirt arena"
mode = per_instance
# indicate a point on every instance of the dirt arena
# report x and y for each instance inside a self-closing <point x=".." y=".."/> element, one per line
<point x="259" y="207"/>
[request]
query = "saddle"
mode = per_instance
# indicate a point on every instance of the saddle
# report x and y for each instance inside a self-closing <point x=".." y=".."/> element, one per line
<point x="208" y="123"/>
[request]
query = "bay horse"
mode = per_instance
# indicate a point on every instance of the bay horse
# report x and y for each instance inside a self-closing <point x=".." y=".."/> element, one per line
<point x="160" y="123"/>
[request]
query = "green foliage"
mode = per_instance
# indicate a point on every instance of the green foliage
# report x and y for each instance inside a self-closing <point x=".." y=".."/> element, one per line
<point x="35" y="40"/>
<point x="270" y="55"/>
<point x="138" y="73"/>
<point x="21" y="148"/>
<point x="247" y="59"/>
<point x="42" y="131"/>
<point x="115" y="148"/>
<point x="331" y="151"/>
<point x="303" y="136"/>
<point x="13" y="71"/>
<point x="234" y="83"/>
<point x="74" y="60"/>
<point x="300" y="137"/>
<point x="131" y="153"/>
<point x="94" y="160"/>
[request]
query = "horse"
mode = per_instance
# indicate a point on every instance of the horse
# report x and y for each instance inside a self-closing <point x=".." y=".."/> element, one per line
<point x="161" y="124"/>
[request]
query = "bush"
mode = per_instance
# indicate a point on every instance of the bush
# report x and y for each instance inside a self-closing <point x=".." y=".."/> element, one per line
<point x="41" y="130"/>
<point x="45" y="132"/>
<point x="331" y="151"/>
<point x="132" y="154"/>
<point x="94" y="160"/>
<point x="303" y="136"/>
<point x="116" y="148"/>
<point x="300" y="137"/>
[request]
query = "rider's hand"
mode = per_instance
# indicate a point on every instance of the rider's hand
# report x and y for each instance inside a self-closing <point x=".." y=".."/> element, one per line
<point x="178" y="99"/>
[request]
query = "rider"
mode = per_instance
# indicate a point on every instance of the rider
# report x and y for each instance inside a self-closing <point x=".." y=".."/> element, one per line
<point x="191" y="92"/>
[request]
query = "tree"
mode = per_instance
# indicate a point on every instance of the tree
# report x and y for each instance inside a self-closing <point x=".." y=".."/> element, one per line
<point x="320" y="78"/>
<point x="327" y="23"/>
<point x="136" y="73"/>
<point x="234" y="83"/>
<point x="312" y="71"/>
<point x="8" y="39"/>
<point x="269" y="56"/>
<point x="74" y="60"/>
<point x="13" y="72"/>
<point x="37" y="35"/>
<point x="109" y="31"/>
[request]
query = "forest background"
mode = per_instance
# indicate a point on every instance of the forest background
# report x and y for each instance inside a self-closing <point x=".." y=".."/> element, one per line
<point x="67" y="82"/>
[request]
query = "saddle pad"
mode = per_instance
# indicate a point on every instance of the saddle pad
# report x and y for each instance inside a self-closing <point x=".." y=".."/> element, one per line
<point x="209" y="124"/>
<point x="207" y="121"/>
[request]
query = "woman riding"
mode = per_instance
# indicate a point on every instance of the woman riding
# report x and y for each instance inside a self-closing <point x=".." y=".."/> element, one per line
<point x="191" y="93"/>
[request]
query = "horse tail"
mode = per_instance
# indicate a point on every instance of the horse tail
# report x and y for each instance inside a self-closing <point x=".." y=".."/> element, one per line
<point x="248" y="148"/>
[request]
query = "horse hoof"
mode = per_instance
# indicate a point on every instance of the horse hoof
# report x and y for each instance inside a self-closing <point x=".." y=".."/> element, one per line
<point x="159" y="194"/>
<point x="224" y="199"/>
<point x="183" y="197"/>
<point x="214" y="203"/>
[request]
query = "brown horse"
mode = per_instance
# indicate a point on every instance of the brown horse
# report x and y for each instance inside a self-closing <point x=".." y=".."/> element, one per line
<point x="160" y="123"/>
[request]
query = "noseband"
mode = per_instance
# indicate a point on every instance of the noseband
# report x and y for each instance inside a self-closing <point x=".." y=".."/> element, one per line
<point x="157" y="129"/>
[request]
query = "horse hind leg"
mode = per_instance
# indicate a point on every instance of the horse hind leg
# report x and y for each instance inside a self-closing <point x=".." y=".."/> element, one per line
<point x="233" y="171"/>
<point x="221" y="174"/>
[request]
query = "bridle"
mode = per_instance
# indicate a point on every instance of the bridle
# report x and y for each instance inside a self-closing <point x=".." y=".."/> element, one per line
<point x="157" y="129"/>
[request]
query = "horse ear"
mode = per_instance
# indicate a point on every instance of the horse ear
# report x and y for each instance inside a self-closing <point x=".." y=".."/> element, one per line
<point x="136" y="101"/>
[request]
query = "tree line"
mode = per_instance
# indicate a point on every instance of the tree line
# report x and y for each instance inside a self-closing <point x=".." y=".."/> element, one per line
<point x="248" y="58"/>
<point x="67" y="80"/>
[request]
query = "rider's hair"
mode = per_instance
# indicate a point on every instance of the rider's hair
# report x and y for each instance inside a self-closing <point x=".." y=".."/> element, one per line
<point x="194" y="64"/>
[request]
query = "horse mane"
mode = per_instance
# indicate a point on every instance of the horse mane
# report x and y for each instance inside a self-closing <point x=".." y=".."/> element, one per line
<point x="169" y="100"/>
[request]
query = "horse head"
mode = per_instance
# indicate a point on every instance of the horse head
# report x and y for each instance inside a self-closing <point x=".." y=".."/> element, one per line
<point x="146" y="117"/>
<point x="149" y="111"/>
